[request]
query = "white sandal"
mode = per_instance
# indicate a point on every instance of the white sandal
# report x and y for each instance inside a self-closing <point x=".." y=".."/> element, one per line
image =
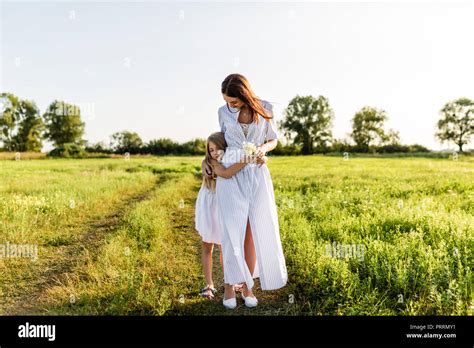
<point x="230" y="303"/>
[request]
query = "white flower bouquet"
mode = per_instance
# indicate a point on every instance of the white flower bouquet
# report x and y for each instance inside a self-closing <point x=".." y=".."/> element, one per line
<point x="249" y="149"/>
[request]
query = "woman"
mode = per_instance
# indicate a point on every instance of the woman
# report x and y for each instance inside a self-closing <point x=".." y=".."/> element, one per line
<point x="247" y="211"/>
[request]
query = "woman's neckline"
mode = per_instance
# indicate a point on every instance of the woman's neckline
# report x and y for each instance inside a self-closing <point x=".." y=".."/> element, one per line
<point x="235" y="115"/>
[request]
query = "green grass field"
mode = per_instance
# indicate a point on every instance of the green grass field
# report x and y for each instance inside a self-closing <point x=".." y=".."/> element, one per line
<point x="116" y="237"/>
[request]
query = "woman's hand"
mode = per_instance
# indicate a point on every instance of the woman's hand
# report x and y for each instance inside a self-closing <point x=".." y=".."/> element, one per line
<point x="261" y="151"/>
<point x="206" y="169"/>
<point x="262" y="160"/>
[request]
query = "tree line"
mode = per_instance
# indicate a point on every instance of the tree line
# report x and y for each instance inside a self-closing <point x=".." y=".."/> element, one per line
<point x="306" y="127"/>
<point x="308" y="121"/>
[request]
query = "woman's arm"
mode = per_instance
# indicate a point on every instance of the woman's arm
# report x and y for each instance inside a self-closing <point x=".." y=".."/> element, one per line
<point x="224" y="172"/>
<point x="268" y="146"/>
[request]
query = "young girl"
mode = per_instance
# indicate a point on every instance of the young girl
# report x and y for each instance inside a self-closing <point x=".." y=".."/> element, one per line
<point x="207" y="223"/>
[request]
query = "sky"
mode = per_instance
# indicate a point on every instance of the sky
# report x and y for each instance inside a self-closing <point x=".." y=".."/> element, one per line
<point x="156" y="67"/>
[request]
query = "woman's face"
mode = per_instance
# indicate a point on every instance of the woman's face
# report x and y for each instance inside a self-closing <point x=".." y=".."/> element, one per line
<point x="233" y="102"/>
<point x="214" y="151"/>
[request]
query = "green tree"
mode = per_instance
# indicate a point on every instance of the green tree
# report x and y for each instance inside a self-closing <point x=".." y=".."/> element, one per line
<point x="391" y="137"/>
<point x="457" y="122"/>
<point x="368" y="126"/>
<point x="21" y="125"/>
<point x="308" y="122"/>
<point x="30" y="129"/>
<point x="9" y="116"/>
<point x="63" y="124"/>
<point x="126" y="141"/>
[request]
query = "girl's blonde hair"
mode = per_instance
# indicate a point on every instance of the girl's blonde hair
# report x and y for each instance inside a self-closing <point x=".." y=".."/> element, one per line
<point x="219" y="140"/>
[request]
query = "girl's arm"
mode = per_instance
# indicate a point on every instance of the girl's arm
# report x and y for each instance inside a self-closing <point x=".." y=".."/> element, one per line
<point x="224" y="172"/>
<point x="228" y="173"/>
<point x="206" y="170"/>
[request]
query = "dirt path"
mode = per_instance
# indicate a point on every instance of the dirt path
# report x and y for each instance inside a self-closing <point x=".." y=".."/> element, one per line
<point x="56" y="268"/>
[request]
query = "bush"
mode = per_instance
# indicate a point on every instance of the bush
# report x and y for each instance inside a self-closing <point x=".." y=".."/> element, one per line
<point x="341" y="146"/>
<point x="98" y="148"/>
<point x="417" y="148"/>
<point x="399" y="148"/>
<point x="286" y="150"/>
<point x="193" y="147"/>
<point x="391" y="148"/>
<point x="68" y="150"/>
<point x="166" y="146"/>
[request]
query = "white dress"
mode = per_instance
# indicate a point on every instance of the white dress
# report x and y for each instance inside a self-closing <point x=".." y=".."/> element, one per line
<point x="249" y="195"/>
<point x="206" y="222"/>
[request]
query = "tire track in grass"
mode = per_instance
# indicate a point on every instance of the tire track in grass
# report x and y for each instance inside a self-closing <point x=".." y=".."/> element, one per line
<point x="144" y="266"/>
<point x="67" y="257"/>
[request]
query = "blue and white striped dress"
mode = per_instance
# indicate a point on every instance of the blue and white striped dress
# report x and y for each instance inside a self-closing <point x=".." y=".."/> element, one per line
<point x="249" y="195"/>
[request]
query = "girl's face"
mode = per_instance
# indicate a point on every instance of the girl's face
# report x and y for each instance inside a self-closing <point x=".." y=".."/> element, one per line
<point x="233" y="102"/>
<point x="214" y="151"/>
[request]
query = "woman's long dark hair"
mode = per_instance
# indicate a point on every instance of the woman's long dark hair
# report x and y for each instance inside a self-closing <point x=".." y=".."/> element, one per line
<point x="237" y="86"/>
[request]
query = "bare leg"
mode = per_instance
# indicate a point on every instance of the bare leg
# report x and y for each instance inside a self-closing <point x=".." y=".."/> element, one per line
<point x="229" y="291"/>
<point x="207" y="262"/>
<point x="250" y="256"/>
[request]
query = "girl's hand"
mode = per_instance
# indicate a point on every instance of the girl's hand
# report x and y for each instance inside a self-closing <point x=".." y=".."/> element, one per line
<point x="206" y="169"/>
<point x="260" y="151"/>
<point x="220" y="155"/>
